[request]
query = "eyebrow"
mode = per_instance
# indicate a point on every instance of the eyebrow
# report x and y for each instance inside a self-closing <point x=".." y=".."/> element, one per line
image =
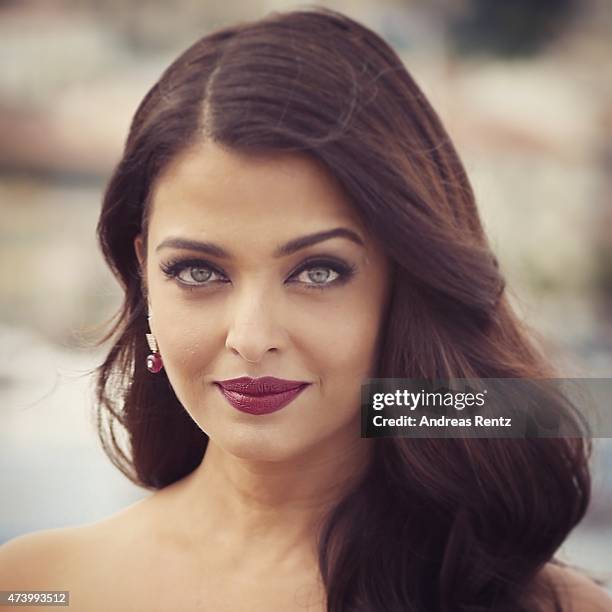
<point x="283" y="250"/>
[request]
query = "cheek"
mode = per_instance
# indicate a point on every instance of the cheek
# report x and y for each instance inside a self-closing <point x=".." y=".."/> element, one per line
<point x="350" y="336"/>
<point x="348" y="358"/>
<point x="187" y="351"/>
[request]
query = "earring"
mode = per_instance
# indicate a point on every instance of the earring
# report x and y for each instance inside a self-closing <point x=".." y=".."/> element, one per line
<point x="154" y="360"/>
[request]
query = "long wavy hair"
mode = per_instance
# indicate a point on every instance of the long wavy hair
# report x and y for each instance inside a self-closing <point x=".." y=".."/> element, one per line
<point x="434" y="524"/>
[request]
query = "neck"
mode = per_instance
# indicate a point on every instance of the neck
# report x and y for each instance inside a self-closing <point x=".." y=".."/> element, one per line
<point x="268" y="510"/>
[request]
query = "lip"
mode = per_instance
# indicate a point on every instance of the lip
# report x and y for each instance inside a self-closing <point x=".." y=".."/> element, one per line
<point x="265" y="385"/>
<point x="260" y="395"/>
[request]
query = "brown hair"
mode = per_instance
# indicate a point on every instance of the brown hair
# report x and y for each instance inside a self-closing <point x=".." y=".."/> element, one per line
<point x="452" y="524"/>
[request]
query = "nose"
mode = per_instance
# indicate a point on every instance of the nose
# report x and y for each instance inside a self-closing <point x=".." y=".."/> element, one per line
<point x="254" y="328"/>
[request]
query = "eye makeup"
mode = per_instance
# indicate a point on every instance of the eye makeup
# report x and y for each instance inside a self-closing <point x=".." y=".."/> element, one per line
<point x="174" y="269"/>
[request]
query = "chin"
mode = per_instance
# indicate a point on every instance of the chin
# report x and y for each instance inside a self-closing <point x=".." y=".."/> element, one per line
<point x="256" y="446"/>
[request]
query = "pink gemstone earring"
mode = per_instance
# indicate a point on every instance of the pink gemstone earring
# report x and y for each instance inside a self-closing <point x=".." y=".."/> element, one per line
<point x="154" y="360"/>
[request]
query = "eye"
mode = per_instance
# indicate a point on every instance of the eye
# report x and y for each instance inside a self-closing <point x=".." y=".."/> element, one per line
<point x="193" y="273"/>
<point x="321" y="275"/>
<point x="317" y="274"/>
<point x="198" y="273"/>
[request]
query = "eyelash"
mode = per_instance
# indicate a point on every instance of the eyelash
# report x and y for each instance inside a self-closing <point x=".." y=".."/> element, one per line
<point x="174" y="267"/>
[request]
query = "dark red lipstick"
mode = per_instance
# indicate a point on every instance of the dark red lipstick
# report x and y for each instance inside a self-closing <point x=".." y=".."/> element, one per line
<point x="260" y="395"/>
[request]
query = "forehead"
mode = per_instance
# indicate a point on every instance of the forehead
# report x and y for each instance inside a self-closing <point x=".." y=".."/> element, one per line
<point x="209" y="186"/>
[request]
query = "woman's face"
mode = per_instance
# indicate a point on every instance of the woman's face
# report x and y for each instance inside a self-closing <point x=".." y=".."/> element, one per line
<point x="311" y="314"/>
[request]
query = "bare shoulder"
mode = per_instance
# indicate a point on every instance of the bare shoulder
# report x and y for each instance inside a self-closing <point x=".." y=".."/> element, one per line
<point x="50" y="558"/>
<point x="36" y="560"/>
<point x="577" y="591"/>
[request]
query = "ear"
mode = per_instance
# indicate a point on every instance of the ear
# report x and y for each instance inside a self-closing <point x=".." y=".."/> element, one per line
<point x="140" y="252"/>
<point x="142" y="261"/>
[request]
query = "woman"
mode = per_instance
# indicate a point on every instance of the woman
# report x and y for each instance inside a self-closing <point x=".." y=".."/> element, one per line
<point x="290" y="218"/>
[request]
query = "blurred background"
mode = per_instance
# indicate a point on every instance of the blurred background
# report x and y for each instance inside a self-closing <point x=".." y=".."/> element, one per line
<point x="523" y="88"/>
